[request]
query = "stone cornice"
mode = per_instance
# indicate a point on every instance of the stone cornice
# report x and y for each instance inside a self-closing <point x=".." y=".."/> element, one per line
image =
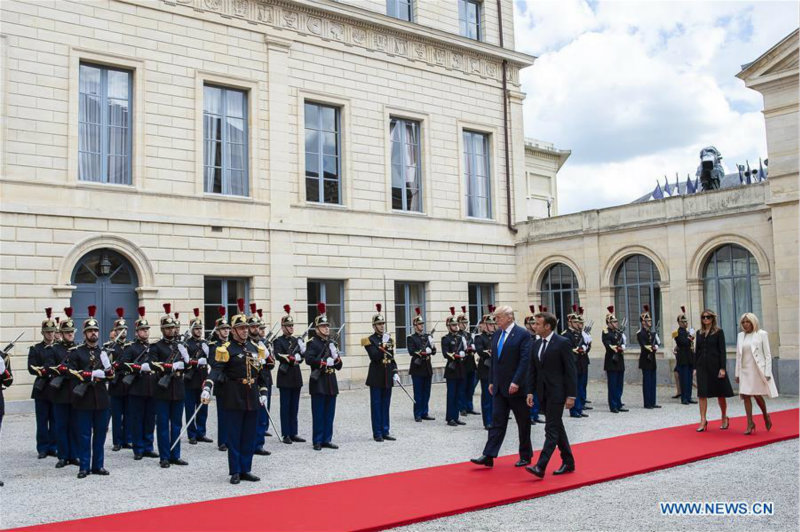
<point x="357" y="27"/>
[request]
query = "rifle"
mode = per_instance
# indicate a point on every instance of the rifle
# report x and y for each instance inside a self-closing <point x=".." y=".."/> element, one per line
<point x="272" y="332"/>
<point x="315" y="373"/>
<point x="588" y="326"/>
<point x="128" y="379"/>
<point x="81" y="387"/>
<point x="10" y="346"/>
<point x="166" y="379"/>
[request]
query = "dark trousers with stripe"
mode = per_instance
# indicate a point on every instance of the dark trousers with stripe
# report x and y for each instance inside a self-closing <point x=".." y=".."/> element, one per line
<point x="616" y="380"/>
<point x="323" y="411"/>
<point x="580" y="393"/>
<point x="685" y="378"/>
<point x="45" y="426"/>
<point x="380" y="400"/>
<point x="467" y="392"/>
<point x="92" y="428"/>
<point x="263" y="421"/>
<point x="222" y="428"/>
<point x="290" y="405"/>
<point x="486" y="402"/>
<point x="169" y="420"/>
<point x="143" y="423"/>
<point x="454" y="391"/>
<point x="197" y="428"/>
<point x="66" y="431"/>
<point x="649" y="387"/>
<point x="241" y="439"/>
<point x="120" y="423"/>
<point x="422" y="395"/>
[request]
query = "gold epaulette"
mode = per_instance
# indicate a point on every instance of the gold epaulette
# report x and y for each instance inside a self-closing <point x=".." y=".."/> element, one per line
<point x="365" y="341"/>
<point x="262" y="351"/>
<point x="73" y="348"/>
<point x="221" y="354"/>
<point x="674" y="334"/>
<point x="605" y="330"/>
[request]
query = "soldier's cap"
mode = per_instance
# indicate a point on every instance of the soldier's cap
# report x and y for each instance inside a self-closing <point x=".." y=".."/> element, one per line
<point x="418" y="318"/>
<point x="682" y="315"/>
<point x="141" y="323"/>
<point x="489" y="318"/>
<point x="49" y="324"/>
<point x="196" y="322"/>
<point x="463" y="318"/>
<point x="646" y="314"/>
<point x="90" y="323"/>
<point x="120" y="323"/>
<point x="287" y="320"/>
<point x="378" y="318"/>
<point x="167" y="320"/>
<point x="239" y="319"/>
<point x="610" y="316"/>
<point x="222" y="321"/>
<point x="322" y="318"/>
<point x="67" y="325"/>
<point x="261" y="323"/>
<point x="451" y="319"/>
<point x="252" y="319"/>
<point x="579" y="315"/>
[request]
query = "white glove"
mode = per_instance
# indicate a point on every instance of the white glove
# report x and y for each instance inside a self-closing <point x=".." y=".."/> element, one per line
<point x="334" y="351"/>
<point x="472" y="346"/>
<point x="2" y="365"/>
<point x="262" y="399"/>
<point x="428" y="350"/>
<point x="461" y="354"/>
<point x="297" y="357"/>
<point x="204" y="347"/>
<point x="177" y="366"/>
<point x="146" y="367"/>
<point x="587" y="338"/>
<point x="104" y="359"/>
<point x="329" y="362"/>
<point x="206" y="395"/>
<point x="385" y="338"/>
<point x="692" y="331"/>
<point x="463" y="343"/>
<point x="396" y="378"/>
<point x="202" y="361"/>
<point x="430" y="339"/>
<point x="624" y="339"/>
<point x="98" y="374"/>
<point x="301" y="345"/>
<point x="184" y="353"/>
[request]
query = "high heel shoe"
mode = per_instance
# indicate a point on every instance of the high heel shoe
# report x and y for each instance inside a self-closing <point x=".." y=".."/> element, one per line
<point x="702" y="427"/>
<point x="751" y="428"/>
<point x="767" y="421"/>
<point x="725" y="423"/>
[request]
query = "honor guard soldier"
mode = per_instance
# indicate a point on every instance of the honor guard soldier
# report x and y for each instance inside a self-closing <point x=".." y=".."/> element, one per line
<point x="117" y="391"/>
<point x="684" y="356"/>
<point x="193" y="379"/>
<point x="6" y="379"/>
<point x="169" y="358"/>
<point x="322" y="354"/>
<point x="41" y="357"/>
<point x="289" y="351"/>
<point x="61" y="385"/>
<point x="466" y="405"/>
<point x="649" y="344"/>
<point x="614" y="363"/>
<point x="220" y="335"/>
<point x="257" y="331"/>
<point x="238" y="363"/>
<point x="140" y="380"/>
<point x="267" y="338"/>
<point x="454" y="351"/>
<point x="483" y="346"/>
<point x="574" y="334"/>
<point x="91" y="368"/>
<point x="381" y="375"/>
<point x="583" y="378"/>
<point x="421" y="348"/>
<point x="529" y="321"/>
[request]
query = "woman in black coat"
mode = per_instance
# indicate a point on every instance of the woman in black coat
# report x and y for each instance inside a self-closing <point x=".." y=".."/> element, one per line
<point x="710" y="368"/>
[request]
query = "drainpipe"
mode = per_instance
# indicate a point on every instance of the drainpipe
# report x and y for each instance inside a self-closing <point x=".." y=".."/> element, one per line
<point x="505" y="123"/>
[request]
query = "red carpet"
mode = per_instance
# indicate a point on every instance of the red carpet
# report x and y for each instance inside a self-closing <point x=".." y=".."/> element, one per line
<point x="375" y="503"/>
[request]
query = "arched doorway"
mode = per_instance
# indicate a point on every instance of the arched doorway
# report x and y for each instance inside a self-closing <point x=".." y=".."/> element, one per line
<point x="106" y="279"/>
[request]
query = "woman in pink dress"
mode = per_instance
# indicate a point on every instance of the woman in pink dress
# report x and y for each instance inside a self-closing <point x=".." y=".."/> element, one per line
<point x="754" y="369"/>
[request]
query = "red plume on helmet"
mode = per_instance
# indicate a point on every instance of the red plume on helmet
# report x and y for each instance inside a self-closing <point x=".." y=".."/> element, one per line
<point x="646" y="308"/>
<point x="196" y="312"/>
<point x="378" y="307"/>
<point x="68" y="311"/>
<point x="580" y="311"/>
<point x="683" y="309"/>
<point x="453" y="311"/>
<point x="167" y="308"/>
<point x="321" y="307"/>
<point x="574" y="307"/>
<point x="610" y="309"/>
<point x="49" y="312"/>
<point x="417" y="310"/>
<point x="140" y="309"/>
<point x="92" y="310"/>
<point x="463" y="309"/>
<point x="177" y="315"/>
<point x="120" y="312"/>
<point x="260" y="313"/>
<point x="544" y="308"/>
<point x="533" y="308"/>
<point x="221" y="311"/>
<point x="240" y="304"/>
<point x="287" y="309"/>
<point x="253" y="308"/>
<point x="58" y="320"/>
<point x="541" y="308"/>
<point x="491" y="309"/>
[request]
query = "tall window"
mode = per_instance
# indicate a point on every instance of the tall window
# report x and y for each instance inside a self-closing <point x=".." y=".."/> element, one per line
<point x="407" y="296"/>
<point x="560" y="292"/>
<point x="481" y="295"/>
<point x="476" y="174"/>
<point x="731" y="287"/>
<point x="323" y="153"/>
<point x="217" y="292"/>
<point x="104" y="125"/>
<point x="225" y="141"/>
<point x="332" y="294"/>
<point x="637" y="284"/>
<point x="406" y="172"/>
<point x="402" y="9"/>
<point x="469" y="18"/>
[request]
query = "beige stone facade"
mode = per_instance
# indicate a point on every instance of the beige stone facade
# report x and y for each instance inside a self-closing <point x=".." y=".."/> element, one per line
<point x="542" y="163"/>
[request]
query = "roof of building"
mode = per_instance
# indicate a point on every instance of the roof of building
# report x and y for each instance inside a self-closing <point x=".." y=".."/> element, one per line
<point x="731" y="180"/>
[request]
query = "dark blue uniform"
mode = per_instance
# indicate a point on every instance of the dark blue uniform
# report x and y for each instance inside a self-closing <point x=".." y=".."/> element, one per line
<point x="222" y="431"/>
<point x="41" y="357"/>
<point x="118" y="393"/>
<point x="289" y="381"/>
<point x="465" y="403"/>
<point x="454" y="373"/>
<point x="66" y="425"/>
<point x="142" y="407"/>
<point x="169" y="397"/>
<point x="483" y="346"/>
<point x="380" y="375"/>
<point x="323" y="387"/>
<point x="614" y="366"/>
<point x="92" y="408"/>
<point x="683" y="362"/>
<point x="262" y="426"/>
<point x="193" y="380"/>
<point x="6" y="379"/>
<point x="580" y="350"/>
<point x="421" y="371"/>
<point x="647" y="363"/>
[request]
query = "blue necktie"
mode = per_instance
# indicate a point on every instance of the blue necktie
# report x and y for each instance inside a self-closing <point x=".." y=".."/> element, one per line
<point x="500" y="344"/>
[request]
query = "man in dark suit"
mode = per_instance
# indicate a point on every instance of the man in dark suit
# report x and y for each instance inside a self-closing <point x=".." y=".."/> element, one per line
<point x="554" y="376"/>
<point x="511" y="348"/>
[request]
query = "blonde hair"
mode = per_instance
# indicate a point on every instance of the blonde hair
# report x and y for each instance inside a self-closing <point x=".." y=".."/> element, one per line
<point x="504" y="310"/>
<point x="749" y="316"/>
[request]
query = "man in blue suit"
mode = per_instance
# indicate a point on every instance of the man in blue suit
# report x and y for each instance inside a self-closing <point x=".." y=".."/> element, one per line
<point x="553" y="375"/>
<point x="508" y="379"/>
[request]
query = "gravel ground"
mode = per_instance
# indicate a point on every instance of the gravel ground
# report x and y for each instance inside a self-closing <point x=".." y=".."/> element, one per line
<point x="136" y="485"/>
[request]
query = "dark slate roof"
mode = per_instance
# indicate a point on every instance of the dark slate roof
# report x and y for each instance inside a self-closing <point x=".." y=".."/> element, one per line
<point x="729" y="181"/>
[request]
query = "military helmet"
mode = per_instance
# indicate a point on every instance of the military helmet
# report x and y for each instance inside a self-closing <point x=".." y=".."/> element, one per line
<point x="253" y="319"/>
<point x="378" y="318"/>
<point x="682" y="315"/>
<point x="579" y="315"/>
<point x="239" y="318"/>
<point x="141" y="323"/>
<point x="418" y="318"/>
<point x="529" y="318"/>
<point x="489" y="318"/>
<point x="67" y="325"/>
<point x="610" y="316"/>
<point x="645" y="315"/>
<point x="196" y="322"/>
<point x="287" y="320"/>
<point x="322" y="318"/>
<point x="49" y="324"/>
<point x="451" y="319"/>
<point x="463" y="317"/>
<point x="222" y="321"/>
<point x="90" y="323"/>
<point x="120" y="322"/>
<point x="574" y="314"/>
<point x="167" y="320"/>
<point x="261" y="323"/>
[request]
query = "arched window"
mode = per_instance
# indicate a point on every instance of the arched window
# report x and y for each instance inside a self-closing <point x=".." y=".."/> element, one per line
<point x="730" y="281"/>
<point x="560" y="292"/>
<point x="636" y="284"/>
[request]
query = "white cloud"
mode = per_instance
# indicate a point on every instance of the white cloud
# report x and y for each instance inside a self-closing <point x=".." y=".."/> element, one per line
<point x="636" y="89"/>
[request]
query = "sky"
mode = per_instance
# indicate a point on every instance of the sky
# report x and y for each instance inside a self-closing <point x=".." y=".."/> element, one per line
<point x="636" y="89"/>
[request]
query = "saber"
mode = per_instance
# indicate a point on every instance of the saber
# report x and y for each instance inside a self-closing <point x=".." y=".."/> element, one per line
<point x="186" y="426"/>
<point x="408" y="394"/>
<point x="272" y="422"/>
